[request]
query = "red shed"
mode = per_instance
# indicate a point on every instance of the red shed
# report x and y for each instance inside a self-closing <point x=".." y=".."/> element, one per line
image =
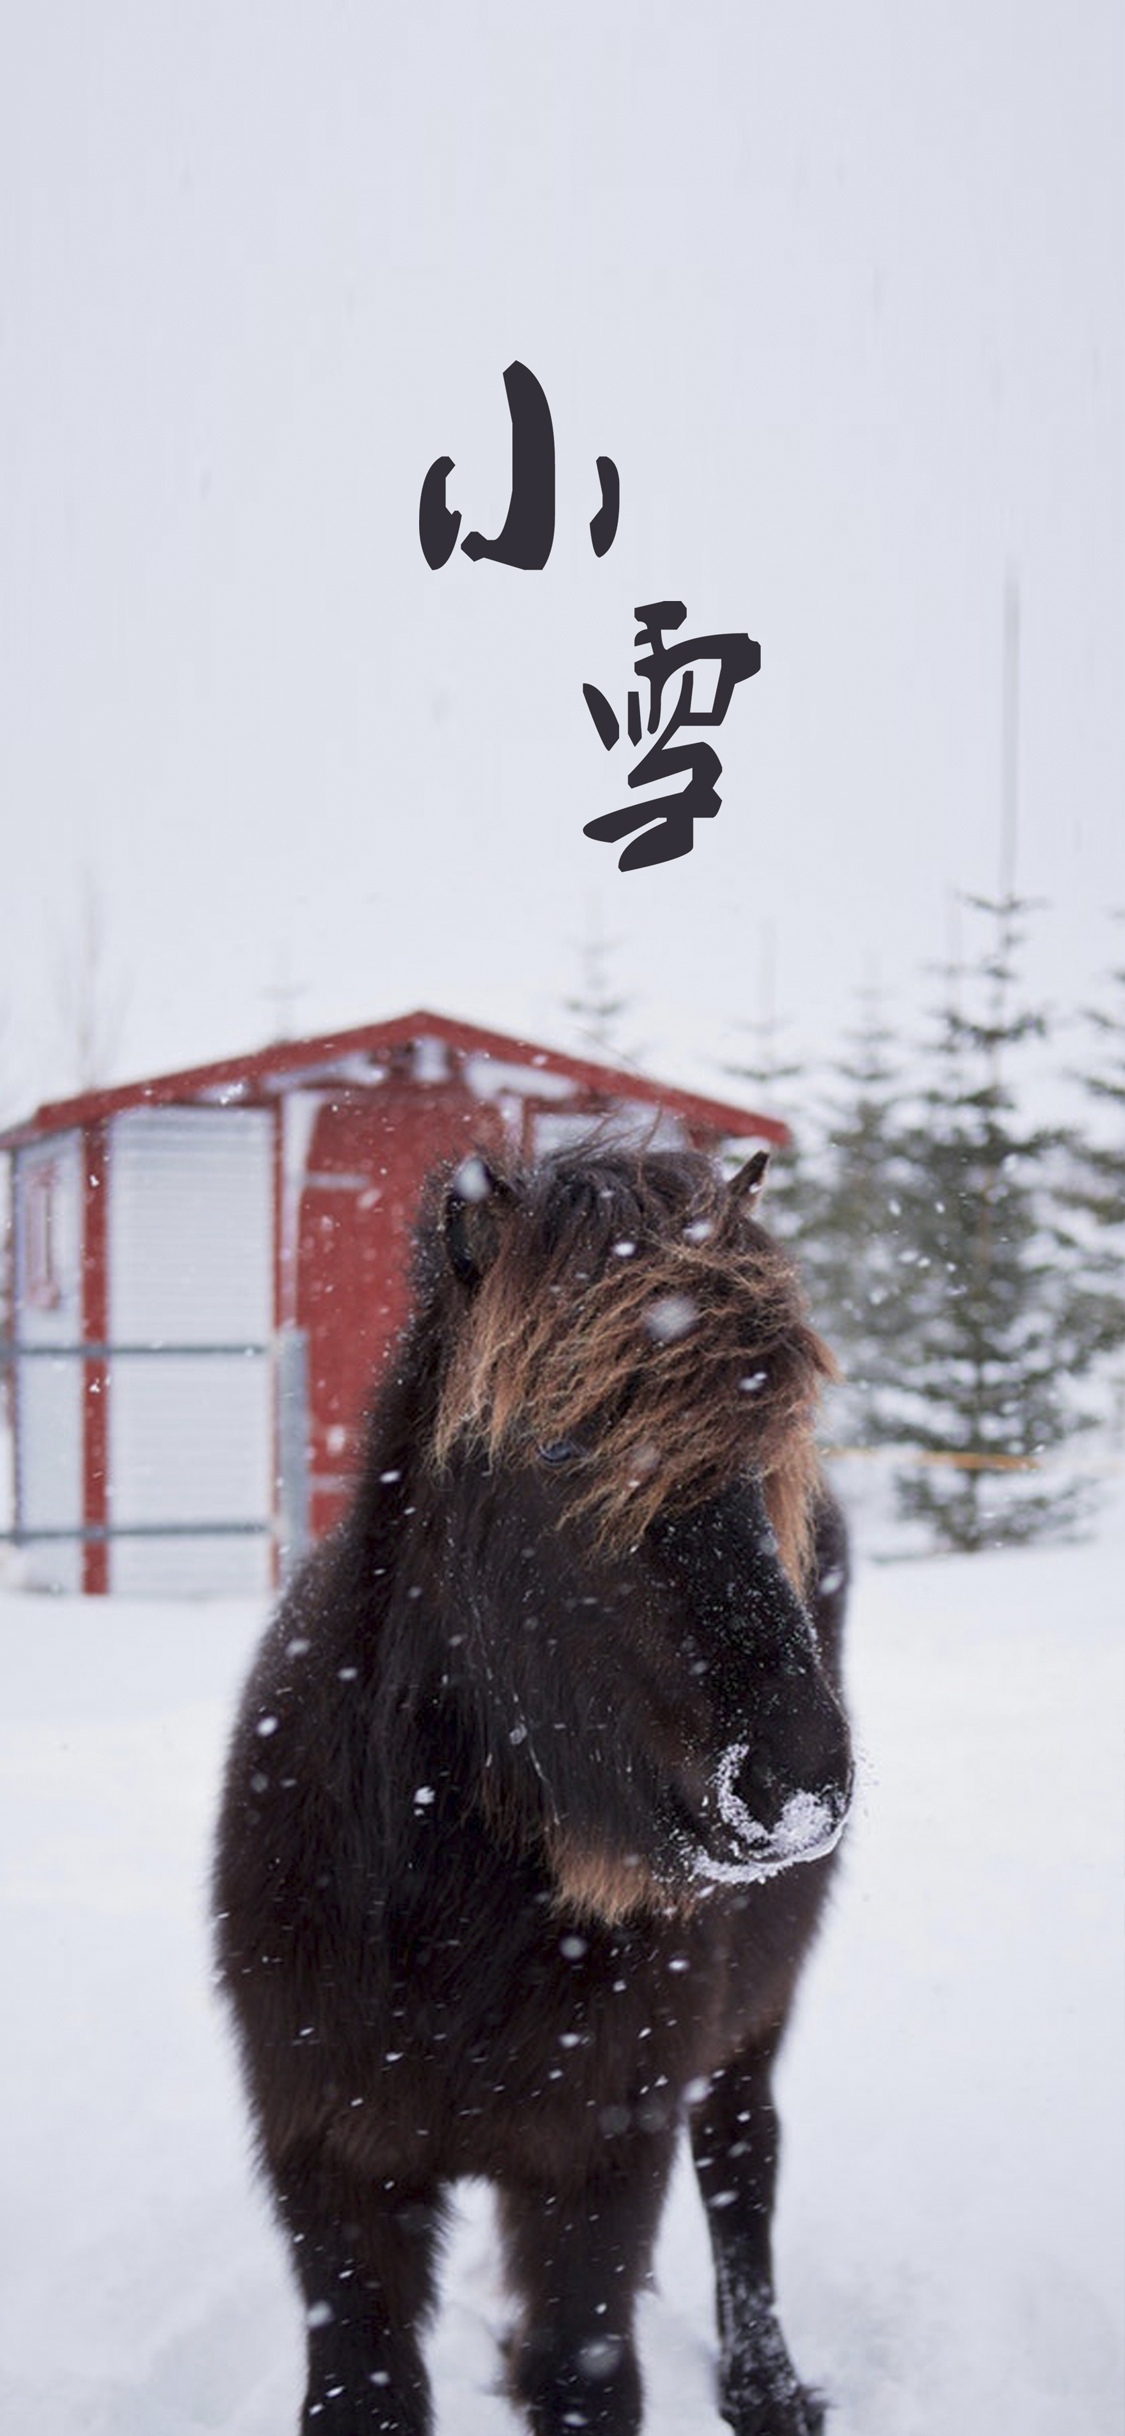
<point x="210" y="1265"/>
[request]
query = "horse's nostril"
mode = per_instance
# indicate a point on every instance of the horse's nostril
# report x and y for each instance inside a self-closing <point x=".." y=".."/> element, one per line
<point x="760" y="1788"/>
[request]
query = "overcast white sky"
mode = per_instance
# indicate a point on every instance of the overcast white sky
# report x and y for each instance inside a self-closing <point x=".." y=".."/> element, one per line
<point x="839" y="289"/>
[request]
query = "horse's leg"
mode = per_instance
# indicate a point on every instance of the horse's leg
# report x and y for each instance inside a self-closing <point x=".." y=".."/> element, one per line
<point x="575" y="2261"/>
<point x="735" y="2140"/>
<point x="365" y="2253"/>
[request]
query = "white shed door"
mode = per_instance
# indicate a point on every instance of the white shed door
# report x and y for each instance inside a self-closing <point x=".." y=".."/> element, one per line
<point x="50" y="1384"/>
<point x="191" y="1427"/>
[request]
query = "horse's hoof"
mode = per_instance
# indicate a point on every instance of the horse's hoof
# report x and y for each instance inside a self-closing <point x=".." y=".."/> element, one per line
<point x="598" y="2388"/>
<point x="796" y="2412"/>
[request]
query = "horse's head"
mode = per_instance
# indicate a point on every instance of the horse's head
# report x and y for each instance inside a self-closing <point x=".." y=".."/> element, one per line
<point x="623" y="1429"/>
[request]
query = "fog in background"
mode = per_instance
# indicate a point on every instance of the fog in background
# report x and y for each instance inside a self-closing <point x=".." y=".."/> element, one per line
<point x="840" y="291"/>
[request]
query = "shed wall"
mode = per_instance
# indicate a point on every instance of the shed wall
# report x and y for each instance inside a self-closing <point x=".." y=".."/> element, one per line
<point x="368" y="1156"/>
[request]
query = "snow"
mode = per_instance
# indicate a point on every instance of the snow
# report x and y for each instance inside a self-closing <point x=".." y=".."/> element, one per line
<point x="807" y="1828"/>
<point x="669" y="1317"/>
<point x="471" y="1179"/>
<point x="949" y="2233"/>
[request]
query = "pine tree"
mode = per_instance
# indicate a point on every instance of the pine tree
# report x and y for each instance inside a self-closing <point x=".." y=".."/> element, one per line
<point x="91" y="1002"/>
<point x="1101" y="1190"/>
<point x="771" y="1076"/>
<point x="1092" y="1186"/>
<point x="598" y="1006"/>
<point x="997" y="1323"/>
<point x="850" y="1228"/>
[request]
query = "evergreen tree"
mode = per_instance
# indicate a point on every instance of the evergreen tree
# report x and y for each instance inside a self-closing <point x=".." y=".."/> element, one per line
<point x="598" y="1005"/>
<point x="775" y="1081"/>
<point x="1092" y="1187"/>
<point x="1100" y="1188"/>
<point x="91" y="1003"/>
<point x="997" y="1321"/>
<point x="850" y="1231"/>
<point x="833" y="1197"/>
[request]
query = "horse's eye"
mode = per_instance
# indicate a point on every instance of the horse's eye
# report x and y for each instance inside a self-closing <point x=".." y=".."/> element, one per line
<point x="562" y="1450"/>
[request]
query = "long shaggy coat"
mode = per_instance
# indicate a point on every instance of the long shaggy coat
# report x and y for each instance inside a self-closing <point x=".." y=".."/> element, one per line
<point x="532" y="1800"/>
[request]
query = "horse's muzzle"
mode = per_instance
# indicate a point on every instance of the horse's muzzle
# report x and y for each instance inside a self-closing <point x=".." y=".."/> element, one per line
<point x="761" y="1826"/>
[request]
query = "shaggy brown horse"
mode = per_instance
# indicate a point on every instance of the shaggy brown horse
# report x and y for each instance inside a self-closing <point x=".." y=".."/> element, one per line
<point x="531" y="1802"/>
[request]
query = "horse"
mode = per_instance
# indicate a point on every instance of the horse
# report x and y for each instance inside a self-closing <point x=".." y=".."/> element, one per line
<point x="533" y="1799"/>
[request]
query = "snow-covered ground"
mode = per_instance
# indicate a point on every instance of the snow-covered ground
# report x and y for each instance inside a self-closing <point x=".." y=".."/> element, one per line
<point x="950" y="2232"/>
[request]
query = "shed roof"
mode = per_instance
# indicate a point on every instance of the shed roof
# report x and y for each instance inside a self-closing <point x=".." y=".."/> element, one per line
<point x="260" y="1075"/>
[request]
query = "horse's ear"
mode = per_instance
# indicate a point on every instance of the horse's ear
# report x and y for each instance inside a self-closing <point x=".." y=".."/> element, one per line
<point x="476" y="1203"/>
<point x="744" y="1188"/>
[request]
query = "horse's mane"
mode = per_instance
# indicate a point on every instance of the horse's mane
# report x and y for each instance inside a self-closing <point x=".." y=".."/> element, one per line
<point x="629" y="1307"/>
